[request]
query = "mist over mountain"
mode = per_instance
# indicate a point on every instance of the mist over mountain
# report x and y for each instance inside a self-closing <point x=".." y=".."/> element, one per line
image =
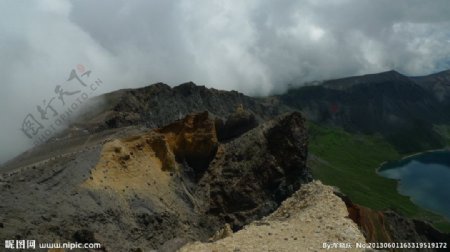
<point x="185" y="125"/>
<point x="256" y="47"/>
<point x="156" y="164"/>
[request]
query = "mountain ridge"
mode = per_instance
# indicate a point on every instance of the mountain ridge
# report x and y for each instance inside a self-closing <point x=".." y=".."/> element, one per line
<point x="389" y="103"/>
<point x="168" y="155"/>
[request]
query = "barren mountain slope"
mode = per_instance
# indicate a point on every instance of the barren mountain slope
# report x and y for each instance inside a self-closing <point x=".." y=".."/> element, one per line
<point x="137" y="188"/>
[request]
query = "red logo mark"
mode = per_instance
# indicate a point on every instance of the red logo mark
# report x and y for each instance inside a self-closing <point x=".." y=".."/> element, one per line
<point x="80" y="68"/>
<point x="334" y="108"/>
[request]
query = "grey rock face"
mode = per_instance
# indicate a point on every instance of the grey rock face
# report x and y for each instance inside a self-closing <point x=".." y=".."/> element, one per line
<point x="107" y="189"/>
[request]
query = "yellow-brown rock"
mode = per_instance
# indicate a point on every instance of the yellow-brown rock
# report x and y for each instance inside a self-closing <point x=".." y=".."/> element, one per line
<point x="193" y="140"/>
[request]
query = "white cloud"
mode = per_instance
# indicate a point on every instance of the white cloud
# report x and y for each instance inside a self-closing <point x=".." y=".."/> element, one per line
<point x="253" y="46"/>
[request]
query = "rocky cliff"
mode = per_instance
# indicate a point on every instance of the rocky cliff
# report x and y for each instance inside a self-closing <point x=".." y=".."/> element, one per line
<point x="252" y="174"/>
<point x="136" y="188"/>
<point x="310" y="217"/>
<point x="159" y="104"/>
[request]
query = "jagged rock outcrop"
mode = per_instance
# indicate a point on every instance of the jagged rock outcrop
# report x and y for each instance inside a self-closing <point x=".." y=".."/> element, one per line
<point x="153" y="189"/>
<point x="236" y="124"/>
<point x="251" y="175"/>
<point x="310" y="217"/>
<point x="159" y="104"/>
<point x="193" y="140"/>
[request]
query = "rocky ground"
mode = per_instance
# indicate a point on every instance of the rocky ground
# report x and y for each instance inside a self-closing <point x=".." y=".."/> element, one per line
<point x="135" y="188"/>
<point x="311" y="216"/>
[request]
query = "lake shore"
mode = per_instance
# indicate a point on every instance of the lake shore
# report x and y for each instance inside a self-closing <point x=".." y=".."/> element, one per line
<point x="411" y="156"/>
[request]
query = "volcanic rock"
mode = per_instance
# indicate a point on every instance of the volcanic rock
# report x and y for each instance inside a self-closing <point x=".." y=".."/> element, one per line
<point x="250" y="176"/>
<point x="134" y="188"/>
<point x="310" y="217"/>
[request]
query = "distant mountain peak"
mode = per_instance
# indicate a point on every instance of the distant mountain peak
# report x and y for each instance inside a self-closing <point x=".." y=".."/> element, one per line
<point x="388" y="76"/>
<point x="391" y="72"/>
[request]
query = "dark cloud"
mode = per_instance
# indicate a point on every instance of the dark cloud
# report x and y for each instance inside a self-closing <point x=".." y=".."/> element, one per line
<point x="256" y="47"/>
<point x="259" y="46"/>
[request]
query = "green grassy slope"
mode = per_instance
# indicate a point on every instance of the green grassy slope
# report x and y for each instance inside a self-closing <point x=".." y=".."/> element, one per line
<point x="349" y="161"/>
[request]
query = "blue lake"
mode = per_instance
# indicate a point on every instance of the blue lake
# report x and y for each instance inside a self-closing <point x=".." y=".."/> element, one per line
<point x="425" y="178"/>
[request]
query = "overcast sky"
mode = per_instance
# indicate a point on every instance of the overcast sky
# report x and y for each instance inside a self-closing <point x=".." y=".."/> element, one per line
<point x="257" y="47"/>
